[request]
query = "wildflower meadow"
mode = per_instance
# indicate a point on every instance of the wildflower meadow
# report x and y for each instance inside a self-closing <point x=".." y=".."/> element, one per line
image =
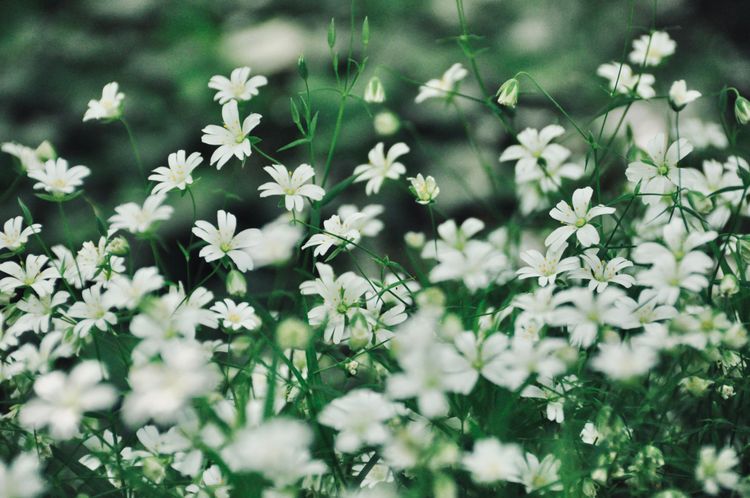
<point x="559" y="309"/>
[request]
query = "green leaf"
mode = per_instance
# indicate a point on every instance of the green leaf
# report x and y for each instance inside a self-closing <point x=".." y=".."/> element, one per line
<point x="26" y="213"/>
<point x="295" y="143"/>
<point x="295" y="114"/>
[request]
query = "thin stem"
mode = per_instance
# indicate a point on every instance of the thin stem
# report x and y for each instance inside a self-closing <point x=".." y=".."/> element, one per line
<point x="134" y="146"/>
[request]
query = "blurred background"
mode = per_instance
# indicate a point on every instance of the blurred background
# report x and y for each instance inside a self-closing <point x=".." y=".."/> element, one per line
<point x="56" y="56"/>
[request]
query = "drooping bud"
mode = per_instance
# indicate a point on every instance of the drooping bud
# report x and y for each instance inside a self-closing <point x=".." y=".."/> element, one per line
<point x="742" y="110"/>
<point x="236" y="284"/>
<point x="293" y="333"/>
<point x="507" y="94"/>
<point x="374" y="92"/>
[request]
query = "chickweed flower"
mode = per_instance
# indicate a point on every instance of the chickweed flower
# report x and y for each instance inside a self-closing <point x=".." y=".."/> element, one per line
<point x="442" y="86"/>
<point x="623" y="80"/>
<point x="294" y="186"/>
<point x="140" y="219"/>
<point x="424" y="189"/>
<point x="222" y="241"/>
<point x="715" y="469"/>
<point x="31" y="274"/>
<point x="108" y="107"/>
<point x="177" y="174"/>
<point x="680" y="96"/>
<point x="57" y="179"/>
<point x="232" y="139"/>
<point x="507" y="94"/>
<point x="547" y="267"/>
<point x="492" y="461"/>
<point x="14" y="236"/>
<point x="576" y="220"/>
<point x="239" y="86"/>
<point x="650" y="50"/>
<point x="381" y="166"/>
<point x="30" y="159"/>
<point x="235" y="316"/>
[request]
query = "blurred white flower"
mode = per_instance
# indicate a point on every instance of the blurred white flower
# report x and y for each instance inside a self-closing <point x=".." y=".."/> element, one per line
<point x="57" y="179"/>
<point x="359" y="417"/>
<point x="108" y="107"/>
<point x="22" y="477"/>
<point x="716" y="469"/>
<point x="650" y="50"/>
<point x="543" y="476"/>
<point x="63" y="398"/>
<point x="93" y="311"/>
<point x="140" y="219"/>
<point x="491" y="461"/>
<point x="239" y="86"/>
<point x="442" y="86"/>
<point x="680" y="96"/>
<point x="622" y="360"/>
<point x="622" y="80"/>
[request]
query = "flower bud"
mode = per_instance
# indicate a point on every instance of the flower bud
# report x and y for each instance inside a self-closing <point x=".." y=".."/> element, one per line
<point x="386" y="123"/>
<point x="236" y="284"/>
<point x="700" y="202"/>
<point x="729" y="285"/>
<point x="302" y="67"/>
<point x="507" y="94"/>
<point x="119" y="246"/>
<point x="374" y="91"/>
<point x="431" y="298"/>
<point x="293" y="334"/>
<point x="424" y="189"/>
<point x="45" y="151"/>
<point x="742" y="110"/>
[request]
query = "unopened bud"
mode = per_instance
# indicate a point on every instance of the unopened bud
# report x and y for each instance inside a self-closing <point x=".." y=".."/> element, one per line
<point x="507" y="94"/>
<point x="119" y="246"/>
<point x="236" y="284"/>
<point x="742" y="110"/>
<point x="374" y="92"/>
<point x="293" y="334"/>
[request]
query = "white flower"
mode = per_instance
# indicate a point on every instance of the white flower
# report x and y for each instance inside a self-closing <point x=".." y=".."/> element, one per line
<point x="341" y="301"/>
<point x="94" y="311"/>
<point x="623" y="80"/>
<point x="478" y="265"/>
<point x="492" y="461"/>
<point x="239" y="85"/>
<point x="703" y="134"/>
<point x="680" y="96"/>
<point x="236" y="315"/>
<point x="381" y="166"/>
<point x="108" y="107"/>
<point x="127" y="293"/>
<point x="31" y="274"/>
<point x="624" y="360"/>
<point x="359" y="417"/>
<point x="57" y="178"/>
<point x="232" y="137"/>
<point x="589" y="434"/>
<point x="424" y="189"/>
<point x="716" y="470"/>
<point x="30" y="159"/>
<point x="374" y="91"/>
<point x="441" y="87"/>
<point x="547" y="267"/>
<point x="63" y="398"/>
<point x="285" y="457"/>
<point x="177" y="174"/>
<point x="22" y="478"/>
<point x="223" y="242"/>
<point x="139" y="219"/>
<point x="576" y="220"/>
<point x="650" y="50"/>
<point x="534" y="145"/>
<point x="554" y="393"/>
<point x="277" y="243"/>
<point x="37" y="314"/>
<point x="659" y="174"/>
<point x="337" y="232"/>
<point x="453" y="236"/>
<point x="13" y="236"/>
<point x="542" y="475"/>
<point x="588" y="312"/>
<point x="646" y="310"/>
<point x="601" y="273"/>
<point x="293" y="186"/>
<point x="161" y="389"/>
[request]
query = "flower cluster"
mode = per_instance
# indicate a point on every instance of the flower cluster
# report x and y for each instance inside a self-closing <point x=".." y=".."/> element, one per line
<point x="596" y="348"/>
